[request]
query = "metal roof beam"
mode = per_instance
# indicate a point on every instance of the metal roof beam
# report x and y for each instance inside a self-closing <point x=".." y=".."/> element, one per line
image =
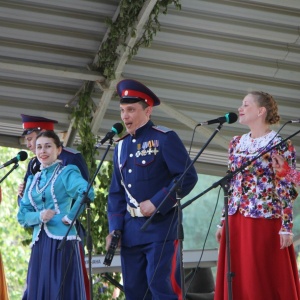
<point x="192" y="124"/>
<point x="120" y="63"/>
<point x="50" y="70"/>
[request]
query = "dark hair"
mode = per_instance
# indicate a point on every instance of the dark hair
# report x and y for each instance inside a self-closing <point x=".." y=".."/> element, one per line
<point x="266" y="100"/>
<point x="52" y="135"/>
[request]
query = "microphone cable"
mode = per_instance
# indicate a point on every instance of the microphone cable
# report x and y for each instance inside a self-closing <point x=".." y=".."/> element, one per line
<point x="204" y="243"/>
<point x="173" y="218"/>
<point x="210" y="223"/>
<point x="209" y="227"/>
<point x="161" y="254"/>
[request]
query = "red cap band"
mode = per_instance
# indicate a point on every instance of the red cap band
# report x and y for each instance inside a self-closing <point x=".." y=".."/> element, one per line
<point x="133" y="93"/>
<point x="42" y="125"/>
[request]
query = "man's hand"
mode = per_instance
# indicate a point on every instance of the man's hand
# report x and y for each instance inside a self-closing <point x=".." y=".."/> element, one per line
<point x="108" y="240"/>
<point x="147" y="208"/>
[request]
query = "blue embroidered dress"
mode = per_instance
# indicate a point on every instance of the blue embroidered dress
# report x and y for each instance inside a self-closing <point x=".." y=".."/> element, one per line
<point x="53" y="273"/>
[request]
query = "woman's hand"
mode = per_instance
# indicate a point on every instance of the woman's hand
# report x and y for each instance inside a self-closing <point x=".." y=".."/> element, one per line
<point x="286" y="240"/>
<point x="277" y="162"/>
<point x="47" y="215"/>
<point x="219" y="234"/>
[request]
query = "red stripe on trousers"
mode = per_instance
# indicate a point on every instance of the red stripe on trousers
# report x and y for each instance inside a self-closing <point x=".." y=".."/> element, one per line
<point x="175" y="285"/>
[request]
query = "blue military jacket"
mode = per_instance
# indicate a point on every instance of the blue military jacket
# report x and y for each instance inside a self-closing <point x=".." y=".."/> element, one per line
<point x="150" y="162"/>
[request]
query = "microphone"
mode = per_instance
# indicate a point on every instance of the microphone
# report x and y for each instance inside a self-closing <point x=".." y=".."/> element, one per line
<point x="22" y="155"/>
<point x="229" y="118"/>
<point x="116" y="129"/>
<point x="294" y="121"/>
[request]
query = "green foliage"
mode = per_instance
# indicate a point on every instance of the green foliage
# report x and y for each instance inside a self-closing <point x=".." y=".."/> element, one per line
<point x="123" y="26"/>
<point x="82" y="115"/>
<point x="15" y="255"/>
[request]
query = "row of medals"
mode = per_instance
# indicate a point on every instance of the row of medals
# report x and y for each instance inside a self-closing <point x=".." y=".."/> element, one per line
<point x="147" y="148"/>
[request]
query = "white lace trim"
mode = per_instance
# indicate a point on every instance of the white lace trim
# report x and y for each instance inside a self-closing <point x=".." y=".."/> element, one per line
<point x="52" y="236"/>
<point x="56" y="172"/>
<point x="55" y="162"/>
<point x="42" y="189"/>
<point x="247" y="143"/>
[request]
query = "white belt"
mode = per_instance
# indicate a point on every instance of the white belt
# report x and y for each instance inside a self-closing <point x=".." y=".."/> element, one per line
<point x="134" y="212"/>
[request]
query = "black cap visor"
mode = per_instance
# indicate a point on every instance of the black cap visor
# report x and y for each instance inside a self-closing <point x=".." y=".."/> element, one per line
<point x="131" y="100"/>
<point x="30" y="130"/>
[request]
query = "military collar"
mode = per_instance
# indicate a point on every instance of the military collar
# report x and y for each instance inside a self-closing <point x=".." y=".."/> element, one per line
<point x="140" y="131"/>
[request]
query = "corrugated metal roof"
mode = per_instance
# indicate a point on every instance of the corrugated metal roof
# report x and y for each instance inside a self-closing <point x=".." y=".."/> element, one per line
<point x="201" y="64"/>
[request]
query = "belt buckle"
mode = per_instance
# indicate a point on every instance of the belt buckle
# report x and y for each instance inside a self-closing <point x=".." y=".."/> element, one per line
<point x="132" y="211"/>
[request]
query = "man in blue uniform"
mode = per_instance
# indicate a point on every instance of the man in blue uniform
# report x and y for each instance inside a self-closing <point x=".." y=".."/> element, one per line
<point x="32" y="126"/>
<point x="147" y="162"/>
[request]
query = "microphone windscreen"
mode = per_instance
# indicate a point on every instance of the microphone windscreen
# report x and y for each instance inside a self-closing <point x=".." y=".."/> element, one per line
<point x="117" y="128"/>
<point x="232" y="117"/>
<point x="22" y="155"/>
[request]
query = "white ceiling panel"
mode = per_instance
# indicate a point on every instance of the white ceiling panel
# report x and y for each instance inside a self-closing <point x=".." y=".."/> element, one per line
<point x="201" y="64"/>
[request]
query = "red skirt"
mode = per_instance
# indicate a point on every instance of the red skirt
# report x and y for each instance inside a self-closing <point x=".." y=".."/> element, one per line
<point x="262" y="271"/>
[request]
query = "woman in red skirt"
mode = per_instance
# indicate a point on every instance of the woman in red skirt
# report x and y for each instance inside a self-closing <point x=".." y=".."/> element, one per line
<point x="260" y="213"/>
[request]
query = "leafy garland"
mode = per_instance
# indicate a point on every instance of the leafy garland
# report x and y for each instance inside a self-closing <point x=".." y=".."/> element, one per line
<point x="124" y="26"/>
<point x="83" y="113"/>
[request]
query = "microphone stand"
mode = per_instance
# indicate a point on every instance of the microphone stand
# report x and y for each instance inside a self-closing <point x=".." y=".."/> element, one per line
<point x="224" y="183"/>
<point x="231" y="174"/>
<point x="174" y="187"/>
<point x="180" y="236"/>
<point x="87" y="201"/>
<point x="13" y="168"/>
<point x="112" y="280"/>
<point x="230" y="274"/>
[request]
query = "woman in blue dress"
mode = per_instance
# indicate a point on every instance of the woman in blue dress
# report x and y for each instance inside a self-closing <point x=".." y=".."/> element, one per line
<point x="47" y="208"/>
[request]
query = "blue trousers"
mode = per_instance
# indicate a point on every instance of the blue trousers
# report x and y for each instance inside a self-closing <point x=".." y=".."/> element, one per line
<point x="151" y="271"/>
